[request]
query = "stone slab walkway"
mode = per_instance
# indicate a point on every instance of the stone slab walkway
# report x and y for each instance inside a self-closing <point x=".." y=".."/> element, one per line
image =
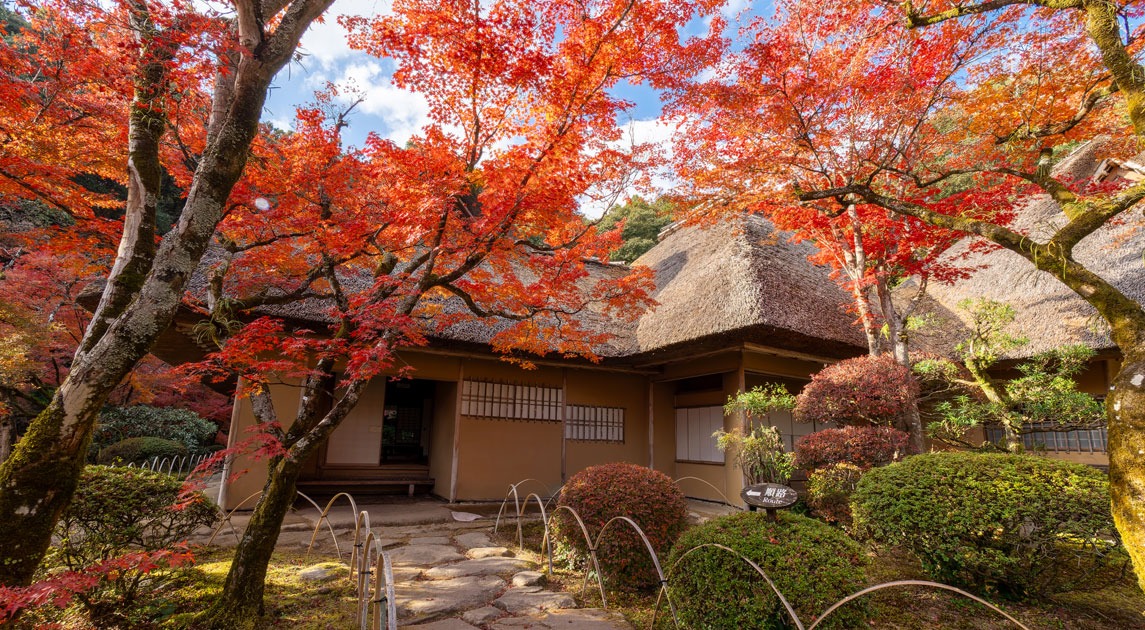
<point x="450" y="575"/>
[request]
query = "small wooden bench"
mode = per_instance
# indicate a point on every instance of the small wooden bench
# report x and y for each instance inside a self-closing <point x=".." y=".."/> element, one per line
<point x="339" y="485"/>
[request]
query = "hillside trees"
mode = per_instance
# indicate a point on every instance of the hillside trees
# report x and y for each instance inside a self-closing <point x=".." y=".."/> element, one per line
<point x="1041" y="77"/>
<point x="86" y="77"/>
<point x="642" y="222"/>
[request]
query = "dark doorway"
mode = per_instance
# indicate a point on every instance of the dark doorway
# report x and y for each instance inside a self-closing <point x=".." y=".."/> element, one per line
<point x="408" y="416"/>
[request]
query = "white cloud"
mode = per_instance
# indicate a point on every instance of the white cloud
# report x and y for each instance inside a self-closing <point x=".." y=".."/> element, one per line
<point x="326" y="42"/>
<point x="733" y="8"/>
<point x="402" y="112"/>
<point x="654" y="131"/>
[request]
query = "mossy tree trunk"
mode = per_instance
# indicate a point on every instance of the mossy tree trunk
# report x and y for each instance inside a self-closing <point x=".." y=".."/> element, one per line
<point x="1126" y="413"/>
<point x="240" y="604"/>
<point x="37" y="481"/>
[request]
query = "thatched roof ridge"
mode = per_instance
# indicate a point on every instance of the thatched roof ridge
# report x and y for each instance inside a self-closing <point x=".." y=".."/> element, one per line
<point x="741" y="276"/>
<point x="1048" y="313"/>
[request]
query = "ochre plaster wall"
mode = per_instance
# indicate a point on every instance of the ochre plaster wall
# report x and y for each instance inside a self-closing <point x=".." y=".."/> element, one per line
<point x="609" y="389"/>
<point x="733" y="476"/>
<point x="780" y="366"/>
<point x="496" y="453"/>
<point x="664" y="429"/>
<point x="249" y="476"/>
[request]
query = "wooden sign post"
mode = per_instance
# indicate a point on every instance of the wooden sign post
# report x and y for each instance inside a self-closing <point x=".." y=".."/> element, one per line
<point x="769" y="496"/>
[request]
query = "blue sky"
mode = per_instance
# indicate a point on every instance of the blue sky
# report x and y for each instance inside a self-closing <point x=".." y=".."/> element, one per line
<point x="395" y="113"/>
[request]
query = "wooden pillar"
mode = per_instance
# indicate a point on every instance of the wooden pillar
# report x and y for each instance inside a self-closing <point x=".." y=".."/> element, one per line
<point x="456" y="431"/>
<point x="564" y="424"/>
<point x="651" y="424"/>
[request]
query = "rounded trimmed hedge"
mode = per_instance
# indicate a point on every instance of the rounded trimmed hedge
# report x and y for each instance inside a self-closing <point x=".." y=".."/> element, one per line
<point x="1016" y="525"/>
<point x="813" y="564"/>
<point x="648" y="497"/>
<point x="140" y="450"/>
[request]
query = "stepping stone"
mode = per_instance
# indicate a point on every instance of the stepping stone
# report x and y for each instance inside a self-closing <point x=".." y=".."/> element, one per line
<point x="473" y="540"/>
<point x="444" y="624"/>
<point x="528" y="578"/>
<point x="532" y="600"/>
<point x="488" y="552"/>
<point x="517" y="622"/>
<point x="483" y="566"/>
<point x="425" y="555"/>
<point x="320" y="572"/>
<point x="430" y="540"/>
<point x="482" y="616"/>
<point x="443" y="597"/>
<point x="406" y="574"/>
<point x="584" y="619"/>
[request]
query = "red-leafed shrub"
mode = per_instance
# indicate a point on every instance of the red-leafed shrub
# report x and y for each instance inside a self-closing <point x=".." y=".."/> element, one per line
<point x="648" y="497"/>
<point x="864" y="447"/>
<point x="862" y="391"/>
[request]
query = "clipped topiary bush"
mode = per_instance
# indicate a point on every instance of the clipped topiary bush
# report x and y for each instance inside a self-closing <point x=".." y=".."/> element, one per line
<point x="140" y="450"/>
<point x="861" y="391"/>
<point x="178" y="425"/>
<point x="648" y="497"/>
<point x="1016" y="525"/>
<point x="864" y="447"/>
<point x="829" y="492"/>
<point x="122" y="515"/>
<point x="813" y="564"/>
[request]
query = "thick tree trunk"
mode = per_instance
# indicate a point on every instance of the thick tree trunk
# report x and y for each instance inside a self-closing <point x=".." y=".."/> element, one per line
<point x="240" y="605"/>
<point x="1125" y="409"/>
<point x="7" y="436"/>
<point x="38" y="480"/>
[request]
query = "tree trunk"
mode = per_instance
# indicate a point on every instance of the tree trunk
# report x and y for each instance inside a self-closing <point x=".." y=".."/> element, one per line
<point x="1125" y="409"/>
<point x="7" y="436"/>
<point x="240" y="605"/>
<point x="38" y="480"/>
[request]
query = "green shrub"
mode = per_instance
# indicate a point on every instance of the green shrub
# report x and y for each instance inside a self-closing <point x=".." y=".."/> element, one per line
<point x="140" y="450"/>
<point x="1017" y="525"/>
<point x="814" y="565"/>
<point x="829" y="492"/>
<point x="759" y="454"/>
<point x="178" y="425"/>
<point x="117" y="510"/>
<point x="648" y="497"/>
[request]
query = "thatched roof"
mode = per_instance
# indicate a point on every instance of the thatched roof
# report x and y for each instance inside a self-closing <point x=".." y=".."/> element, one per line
<point x="717" y="287"/>
<point x="1048" y="313"/>
<point x="465" y="332"/>
<point x="743" y="280"/>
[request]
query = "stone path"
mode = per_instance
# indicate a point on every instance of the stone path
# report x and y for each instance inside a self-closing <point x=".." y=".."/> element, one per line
<point x="452" y="576"/>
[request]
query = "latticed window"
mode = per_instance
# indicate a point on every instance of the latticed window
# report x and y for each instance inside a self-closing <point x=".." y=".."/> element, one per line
<point x="595" y="424"/>
<point x="511" y="401"/>
<point x="1078" y="441"/>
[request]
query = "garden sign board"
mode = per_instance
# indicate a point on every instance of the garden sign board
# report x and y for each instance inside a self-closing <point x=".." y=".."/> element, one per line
<point x="769" y="496"/>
